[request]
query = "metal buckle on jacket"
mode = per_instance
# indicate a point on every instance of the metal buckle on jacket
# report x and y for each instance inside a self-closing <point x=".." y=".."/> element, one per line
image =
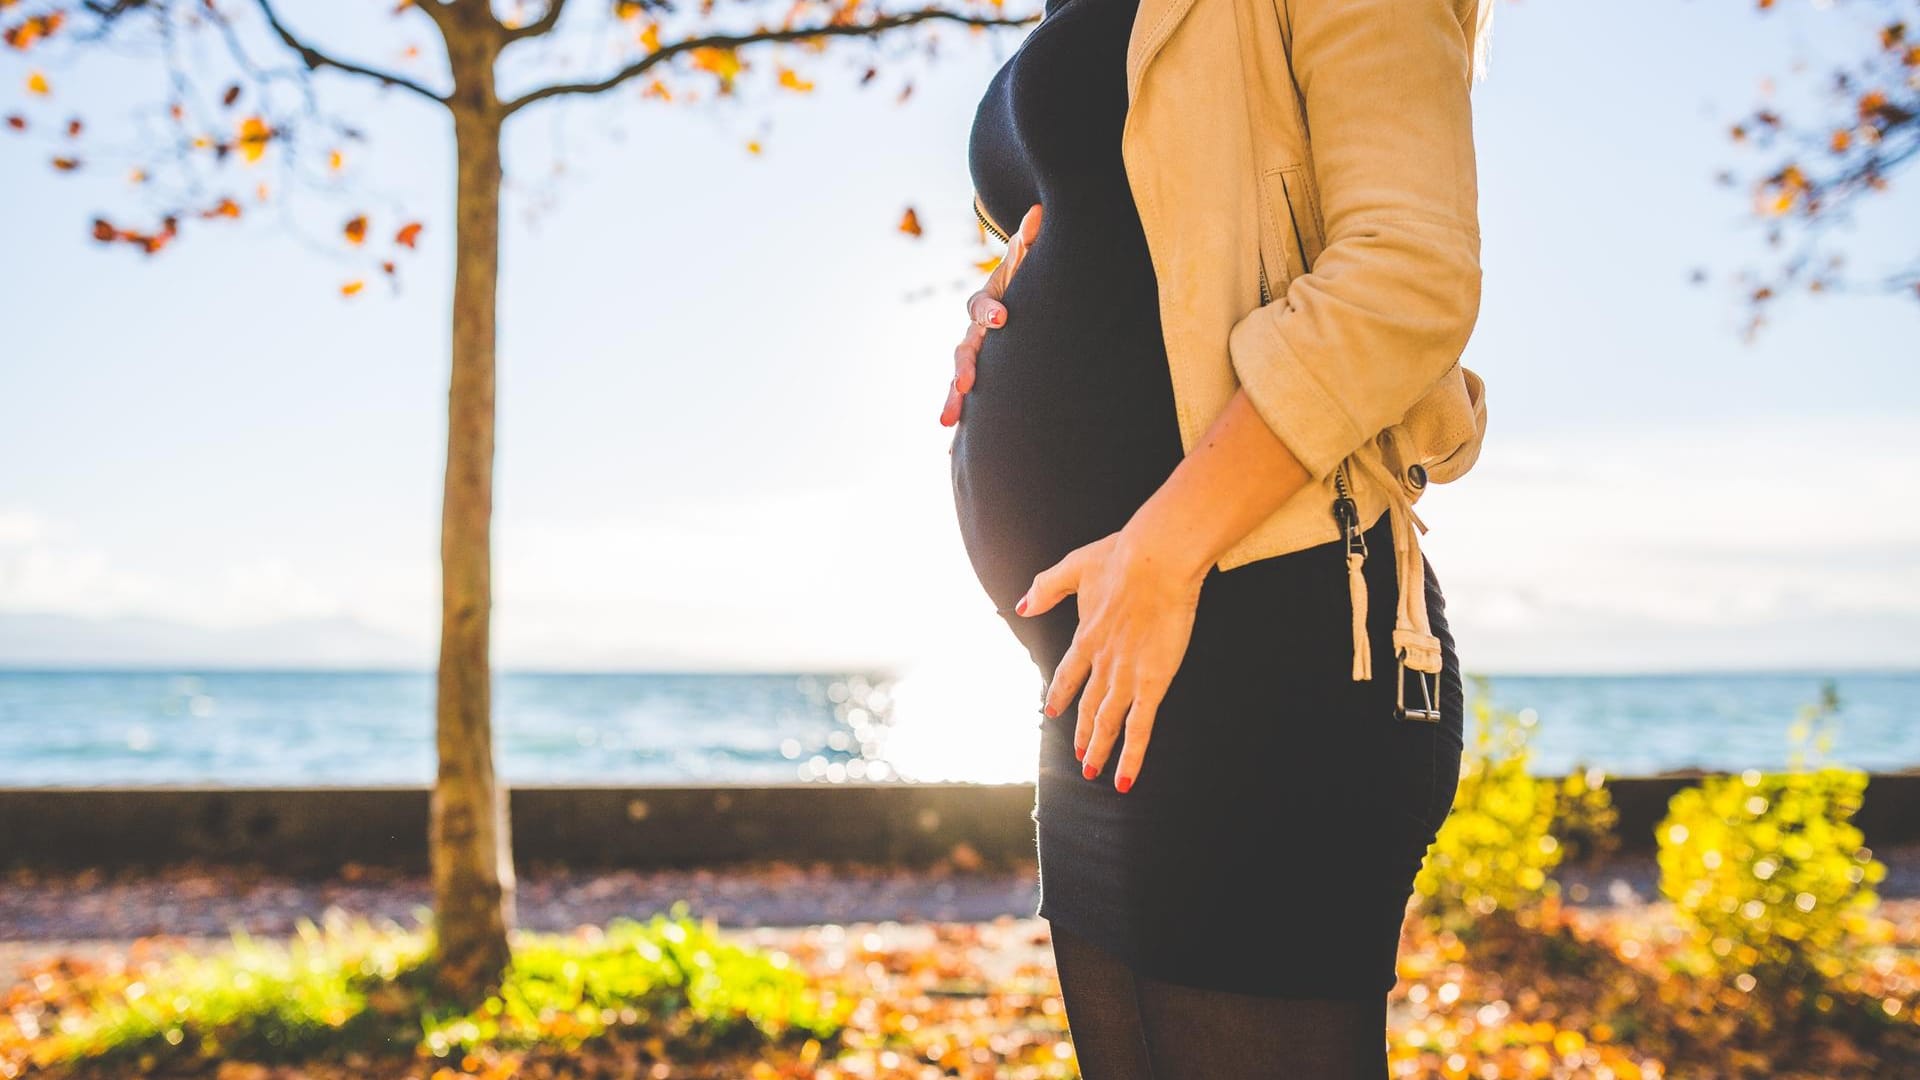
<point x="1431" y="713"/>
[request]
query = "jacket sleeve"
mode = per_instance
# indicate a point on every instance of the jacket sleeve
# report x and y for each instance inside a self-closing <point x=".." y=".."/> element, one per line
<point x="1388" y="305"/>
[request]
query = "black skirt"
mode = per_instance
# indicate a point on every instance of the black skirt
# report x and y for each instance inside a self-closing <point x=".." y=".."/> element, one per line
<point x="1270" y="842"/>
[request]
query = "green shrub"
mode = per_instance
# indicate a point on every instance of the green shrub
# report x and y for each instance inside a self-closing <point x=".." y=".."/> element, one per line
<point x="1585" y="820"/>
<point x="354" y="987"/>
<point x="1496" y="849"/>
<point x="1767" y="872"/>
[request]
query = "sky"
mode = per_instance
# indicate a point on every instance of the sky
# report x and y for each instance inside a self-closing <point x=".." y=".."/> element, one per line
<point x="720" y="374"/>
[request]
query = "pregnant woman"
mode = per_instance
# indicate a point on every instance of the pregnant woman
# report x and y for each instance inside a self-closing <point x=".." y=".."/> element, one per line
<point x="1190" y="424"/>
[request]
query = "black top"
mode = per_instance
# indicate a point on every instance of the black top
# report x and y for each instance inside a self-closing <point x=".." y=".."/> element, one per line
<point x="1071" y="424"/>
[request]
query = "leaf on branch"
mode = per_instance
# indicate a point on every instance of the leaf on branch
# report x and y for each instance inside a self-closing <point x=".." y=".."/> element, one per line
<point x="223" y="208"/>
<point x="724" y="64"/>
<point x="408" y="234"/>
<point x="352" y="288"/>
<point x="650" y="38"/>
<point x="356" y="230"/>
<point x="66" y="164"/>
<point x="17" y="122"/>
<point x="254" y="136"/>
<point x="35" y="28"/>
<point x="73" y="128"/>
<point x="627" y="10"/>
<point x="37" y="84"/>
<point x="232" y="95"/>
<point x="791" y="80"/>
<point x="910" y="223"/>
<point x="335" y="160"/>
<point x="149" y="243"/>
<point x="753" y="146"/>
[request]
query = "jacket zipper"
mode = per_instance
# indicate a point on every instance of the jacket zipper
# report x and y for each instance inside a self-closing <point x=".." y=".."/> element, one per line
<point x="986" y="222"/>
<point x="1266" y="295"/>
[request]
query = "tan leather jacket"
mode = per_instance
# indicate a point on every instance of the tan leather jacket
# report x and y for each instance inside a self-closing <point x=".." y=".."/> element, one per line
<point x="1336" y="275"/>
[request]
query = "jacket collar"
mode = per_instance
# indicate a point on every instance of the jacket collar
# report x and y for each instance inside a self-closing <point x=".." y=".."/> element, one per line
<point x="1153" y="23"/>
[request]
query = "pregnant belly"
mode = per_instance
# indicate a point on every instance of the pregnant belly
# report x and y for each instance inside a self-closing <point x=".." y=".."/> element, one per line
<point x="1070" y="426"/>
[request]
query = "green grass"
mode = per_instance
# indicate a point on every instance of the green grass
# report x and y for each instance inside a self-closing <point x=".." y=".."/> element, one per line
<point x="352" y="987"/>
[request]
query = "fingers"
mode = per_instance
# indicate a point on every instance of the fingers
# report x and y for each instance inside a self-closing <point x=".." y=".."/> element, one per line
<point x="1102" y="709"/>
<point x="1096" y="708"/>
<point x="950" y="412"/>
<point x="966" y="355"/>
<point x="1146" y="703"/>
<point x="1052" y="585"/>
<point x="1029" y="232"/>
<point x="985" y="310"/>
<point x="1067" y="677"/>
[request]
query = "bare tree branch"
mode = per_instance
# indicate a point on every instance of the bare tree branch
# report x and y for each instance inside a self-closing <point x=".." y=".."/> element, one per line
<point x="539" y="26"/>
<point x="314" y="58"/>
<point x="735" y="41"/>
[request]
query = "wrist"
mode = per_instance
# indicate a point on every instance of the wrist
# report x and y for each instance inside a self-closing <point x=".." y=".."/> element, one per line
<point x="1166" y="543"/>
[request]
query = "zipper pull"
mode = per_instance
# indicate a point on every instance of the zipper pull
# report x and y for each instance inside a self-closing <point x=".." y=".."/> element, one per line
<point x="1347" y="513"/>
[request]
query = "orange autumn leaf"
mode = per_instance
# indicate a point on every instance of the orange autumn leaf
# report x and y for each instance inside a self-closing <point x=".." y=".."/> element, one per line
<point x="408" y="233"/>
<point x="35" y="28"/>
<point x="987" y="265"/>
<point x="254" y="134"/>
<point x="17" y="122"/>
<point x="73" y="128"/>
<point x="650" y="37"/>
<point x="791" y="80"/>
<point x="224" y="208"/>
<point x="37" y="84"/>
<point x="336" y="161"/>
<point x="387" y="267"/>
<point x="910" y="223"/>
<point x="626" y="9"/>
<point x="232" y="95"/>
<point x="66" y="164"/>
<point x="352" y="288"/>
<point x="356" y="230"/>
<point x="723" y="63"/>
<point x="260" y="191"/>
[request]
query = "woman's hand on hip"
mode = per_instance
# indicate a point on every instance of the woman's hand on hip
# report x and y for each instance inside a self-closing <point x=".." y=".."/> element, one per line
<point x="1137" y="602"/>
<point x="986" y="312"/>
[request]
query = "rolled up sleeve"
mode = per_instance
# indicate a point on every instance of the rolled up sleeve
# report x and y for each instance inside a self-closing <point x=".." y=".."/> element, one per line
<point x="1390" y="301"/>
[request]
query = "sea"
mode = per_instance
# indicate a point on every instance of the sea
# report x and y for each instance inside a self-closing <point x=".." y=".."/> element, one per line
<point x="298" y="728"/>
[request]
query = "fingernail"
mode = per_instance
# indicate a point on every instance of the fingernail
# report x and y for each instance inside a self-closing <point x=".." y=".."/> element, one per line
<point x="1090" y="772"/>
<point x="995" y="318"/>
<point x="1021" y="607"/>
<point x="1051" y="711"/>
<point x="1123" y="783"/>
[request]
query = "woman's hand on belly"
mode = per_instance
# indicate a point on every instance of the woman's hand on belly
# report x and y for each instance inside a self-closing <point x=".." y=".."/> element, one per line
<point x="1136" y="618"/>
<point x="986" y="312"/>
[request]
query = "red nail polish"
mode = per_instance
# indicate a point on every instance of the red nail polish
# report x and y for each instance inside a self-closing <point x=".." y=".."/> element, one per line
<point x="1051" y="711"/>
<point x="1090" y="772"/>
<point x="1123" y="784"/>
<point x="1079" y="752"/>
<point x="1021" y="607"/>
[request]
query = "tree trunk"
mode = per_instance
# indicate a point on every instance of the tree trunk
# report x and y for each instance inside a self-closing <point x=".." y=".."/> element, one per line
<point x="472" y="858"/>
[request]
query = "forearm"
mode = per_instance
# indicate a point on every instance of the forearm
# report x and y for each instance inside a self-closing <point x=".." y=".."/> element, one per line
<point x="1235" y="477"/>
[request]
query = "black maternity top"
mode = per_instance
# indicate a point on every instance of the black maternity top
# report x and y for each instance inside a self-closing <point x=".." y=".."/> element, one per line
<point x="1270" y="843"/>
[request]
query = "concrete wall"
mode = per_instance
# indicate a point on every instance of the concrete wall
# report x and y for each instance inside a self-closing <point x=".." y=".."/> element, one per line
<point x="316" y="830"/>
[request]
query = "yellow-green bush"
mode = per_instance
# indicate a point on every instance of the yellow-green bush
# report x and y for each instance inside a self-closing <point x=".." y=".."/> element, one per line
<point x="1767" y="871"/>
<point x="1497" y="848"/>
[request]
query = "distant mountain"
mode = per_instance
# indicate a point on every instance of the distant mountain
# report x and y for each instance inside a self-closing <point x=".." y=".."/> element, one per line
<point x="45" y="639"/>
